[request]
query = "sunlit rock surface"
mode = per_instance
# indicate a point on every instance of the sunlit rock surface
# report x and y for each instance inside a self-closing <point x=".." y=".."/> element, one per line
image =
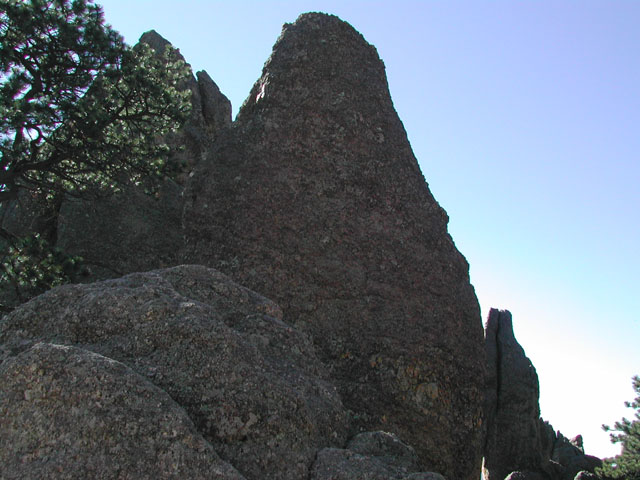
<point x="314" y="198"/>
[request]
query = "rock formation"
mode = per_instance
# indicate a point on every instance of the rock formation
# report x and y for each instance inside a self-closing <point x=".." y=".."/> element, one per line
<point x="519" y="444"/>
<point x="70" y="413"/>
<point x="570" y="455"/>
<point x="130" y="231"/>
<point x="514" y="439"/>
<point x="251" y="384"/>
<point x="313" y="197"/>
<point x="369" y="364"/>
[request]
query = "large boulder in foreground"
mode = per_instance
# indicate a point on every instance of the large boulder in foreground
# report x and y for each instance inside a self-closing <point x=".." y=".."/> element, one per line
<point x="314" y="198"/>
<point x="69" y="413"/>
<point x="251" y="384"/>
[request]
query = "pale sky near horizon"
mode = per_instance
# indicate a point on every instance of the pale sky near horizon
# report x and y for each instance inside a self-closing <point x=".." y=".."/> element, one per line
<point x="524" y="117"/>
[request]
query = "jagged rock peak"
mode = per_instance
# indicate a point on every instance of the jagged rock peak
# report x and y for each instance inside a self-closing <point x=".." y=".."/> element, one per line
<point x="315" y="199"/>
<point x="319" y="50"/>
<point x="211" y="111"/>
<point x="156" y="41"/>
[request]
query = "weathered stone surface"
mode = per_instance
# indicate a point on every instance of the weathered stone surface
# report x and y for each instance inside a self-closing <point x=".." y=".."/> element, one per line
<point x="314" y="198"/>
<point x="571" y="456"/>
<point x="123" y="233"/>
<point x="251" y="384"/>
<point x="370" y="456"/>
<point x="214" y="105"/>
<point x="339" y="464"/>
<point x="514" y="430"/>
<point x="68" y="413"/>
<point x="387" y="447"/>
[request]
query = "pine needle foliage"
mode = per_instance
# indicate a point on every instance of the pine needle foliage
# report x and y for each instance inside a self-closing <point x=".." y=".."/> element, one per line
<point x="81" y="114"/>
<point x="627" y="433"/>
<point x="80" y="111"/>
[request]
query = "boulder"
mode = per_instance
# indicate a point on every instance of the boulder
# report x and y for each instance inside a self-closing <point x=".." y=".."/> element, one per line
<point x="314" y="198"/>
<point x="370" y="456"/>
<point x="251" y="384"/>
<point x="69" y="413"/>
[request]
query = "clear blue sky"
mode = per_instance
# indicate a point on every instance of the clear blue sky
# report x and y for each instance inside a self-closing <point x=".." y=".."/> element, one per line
<point x="525" y="119"/>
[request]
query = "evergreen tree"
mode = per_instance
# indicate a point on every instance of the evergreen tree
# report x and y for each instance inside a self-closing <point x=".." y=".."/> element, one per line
<point x="81" y="113"/>
<point x="627" y="433"/>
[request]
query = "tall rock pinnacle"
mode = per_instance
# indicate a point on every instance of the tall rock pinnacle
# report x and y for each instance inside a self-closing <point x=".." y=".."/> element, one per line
<point x="314" y="198"/>
<point x="515" y="431"/>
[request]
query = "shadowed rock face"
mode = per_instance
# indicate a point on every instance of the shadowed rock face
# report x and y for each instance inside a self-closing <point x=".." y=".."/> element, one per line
<point x="520" y="444"/>
<point x="514" y="436"/>
<point x="131" y="231"/>
<point x="314" y="198"/>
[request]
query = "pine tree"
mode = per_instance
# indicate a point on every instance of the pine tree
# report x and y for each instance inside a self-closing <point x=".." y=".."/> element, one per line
<point x="81" y="113"/>
<point x="627" y="433"/>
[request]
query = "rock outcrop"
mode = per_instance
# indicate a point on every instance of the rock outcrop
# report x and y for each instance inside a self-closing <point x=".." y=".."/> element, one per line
<point x="313" y="197"/>
<point x="519" y="444"/>
<point x="251" y="384"/>
<point x="130" y="231"/>
<point x="69" y="413"/>
<point x="570" y="455"/>
<point x="514" y="437"/>
<point x="210" y="112"/>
